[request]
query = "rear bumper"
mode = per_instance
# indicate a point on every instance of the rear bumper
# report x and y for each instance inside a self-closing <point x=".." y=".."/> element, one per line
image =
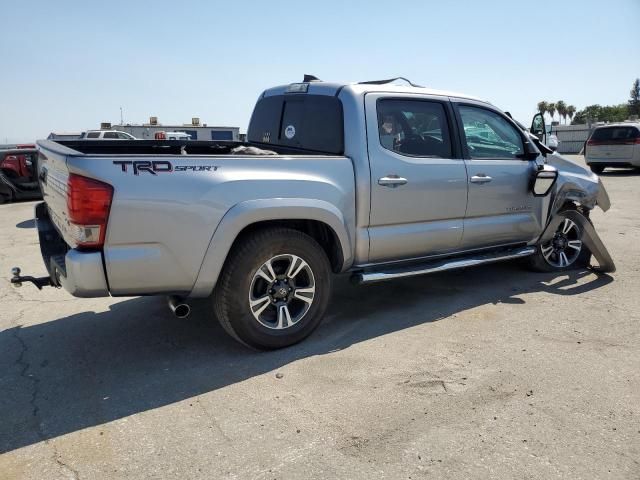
<point x="83" y="274"/>
<point x="79" y="273"/>
<point x="613" y="162"/>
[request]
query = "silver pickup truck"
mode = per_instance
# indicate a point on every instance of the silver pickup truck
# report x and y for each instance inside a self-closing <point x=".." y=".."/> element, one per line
<point x="375" y="179"/>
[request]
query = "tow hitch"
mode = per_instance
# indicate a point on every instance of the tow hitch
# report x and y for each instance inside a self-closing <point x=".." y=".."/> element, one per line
<point x="17" y="280"/>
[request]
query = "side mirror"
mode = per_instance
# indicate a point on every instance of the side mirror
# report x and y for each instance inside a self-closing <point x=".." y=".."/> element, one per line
<point x="541" y="146"/>
<point x="538" y="127"/>
<point x="544" y="180"/>
<point x="530" y="150"/>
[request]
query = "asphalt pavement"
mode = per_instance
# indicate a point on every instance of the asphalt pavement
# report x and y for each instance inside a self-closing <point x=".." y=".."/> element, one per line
<point x="493" y="372"/>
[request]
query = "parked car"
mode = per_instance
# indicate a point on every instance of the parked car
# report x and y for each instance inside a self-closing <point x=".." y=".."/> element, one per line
<point x="106" y="135"/>
<point x="372" y="179"/>
<point x="18" y="170"/>
<point x="64" y="135"/>
<point x="613" y="145"/>
<point x="172" y="136"/>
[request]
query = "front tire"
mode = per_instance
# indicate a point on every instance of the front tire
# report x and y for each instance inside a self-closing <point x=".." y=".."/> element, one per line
<point x="565" y="251"/>
<point x="274" y="288"/>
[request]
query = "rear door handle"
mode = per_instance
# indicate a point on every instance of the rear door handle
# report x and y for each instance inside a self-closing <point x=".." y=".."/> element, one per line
<point x="392" y="181"/>
<point x="480" y="178"/>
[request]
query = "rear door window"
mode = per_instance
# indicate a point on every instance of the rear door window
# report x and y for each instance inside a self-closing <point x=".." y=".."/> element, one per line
<point x="93" y="135"/>
<point x="414" y="128"/>
<point x="110" y="135"/>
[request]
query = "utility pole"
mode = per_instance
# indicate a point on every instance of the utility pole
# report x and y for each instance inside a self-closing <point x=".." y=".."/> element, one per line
<point x="121" y="120"/>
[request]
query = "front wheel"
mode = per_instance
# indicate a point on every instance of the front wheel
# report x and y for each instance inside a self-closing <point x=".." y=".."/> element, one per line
<point x="274" y="288"/>
<point x="565" y="251"/>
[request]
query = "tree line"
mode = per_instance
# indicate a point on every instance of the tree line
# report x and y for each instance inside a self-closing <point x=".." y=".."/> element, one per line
<point x="564" y="111"/>
<point x="593" y="113"/>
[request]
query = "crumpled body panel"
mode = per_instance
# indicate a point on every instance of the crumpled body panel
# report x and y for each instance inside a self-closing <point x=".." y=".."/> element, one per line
<point x="576" y="183"/>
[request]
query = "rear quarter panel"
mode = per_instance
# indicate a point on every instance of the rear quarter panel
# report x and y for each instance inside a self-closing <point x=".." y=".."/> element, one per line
<point x="160" y="226"/>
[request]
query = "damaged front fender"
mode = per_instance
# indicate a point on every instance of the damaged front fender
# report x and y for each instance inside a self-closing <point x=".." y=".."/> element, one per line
<point x="576" y="184"/>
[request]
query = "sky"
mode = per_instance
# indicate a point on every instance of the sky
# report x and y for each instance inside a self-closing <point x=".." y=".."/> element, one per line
<point x="67" y="66"/>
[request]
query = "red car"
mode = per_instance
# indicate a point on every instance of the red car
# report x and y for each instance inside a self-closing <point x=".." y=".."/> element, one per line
<point x="18" y="174"/>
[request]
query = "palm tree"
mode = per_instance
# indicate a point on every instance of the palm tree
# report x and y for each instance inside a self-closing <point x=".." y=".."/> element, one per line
<point x="551" y="110"/>
<point x="543" y="107"/>
<point x="571" y="111"/>
<point x="562" y="109"/>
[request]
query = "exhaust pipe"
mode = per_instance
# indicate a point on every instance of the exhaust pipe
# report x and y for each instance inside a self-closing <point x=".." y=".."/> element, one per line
<point x="178" y="307"/>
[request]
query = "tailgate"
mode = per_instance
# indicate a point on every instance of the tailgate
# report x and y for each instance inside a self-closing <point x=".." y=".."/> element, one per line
<point x="619" y="152"/>
<point x="52" y="176"/>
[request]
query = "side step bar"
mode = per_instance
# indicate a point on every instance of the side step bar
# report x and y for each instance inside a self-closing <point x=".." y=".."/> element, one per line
<point x="441" y="265"/>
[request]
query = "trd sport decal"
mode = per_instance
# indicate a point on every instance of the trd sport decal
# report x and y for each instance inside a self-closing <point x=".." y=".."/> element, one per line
<point x="160" y="166"/>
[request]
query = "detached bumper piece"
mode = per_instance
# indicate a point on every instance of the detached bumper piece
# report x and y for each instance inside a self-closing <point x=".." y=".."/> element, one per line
<point x="590" y="239"/>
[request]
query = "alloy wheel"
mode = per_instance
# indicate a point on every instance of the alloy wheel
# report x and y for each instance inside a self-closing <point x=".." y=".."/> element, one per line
<point x="282" y="291"/>
<point x="565" y="246"/>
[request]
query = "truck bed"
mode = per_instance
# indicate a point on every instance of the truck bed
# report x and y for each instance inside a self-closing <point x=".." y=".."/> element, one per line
<point x="174" y="147"/>
<point x="167" y="206"/>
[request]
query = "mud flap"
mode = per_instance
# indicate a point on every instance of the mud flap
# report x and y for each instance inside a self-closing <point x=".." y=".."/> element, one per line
<point x="590" y="238"/>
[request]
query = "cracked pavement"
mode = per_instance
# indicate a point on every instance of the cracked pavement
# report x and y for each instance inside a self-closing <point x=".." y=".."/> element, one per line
<point x="493" y="372"/>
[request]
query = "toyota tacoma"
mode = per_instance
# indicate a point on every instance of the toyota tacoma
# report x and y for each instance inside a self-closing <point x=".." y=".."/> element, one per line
<point x="373" y="179"/>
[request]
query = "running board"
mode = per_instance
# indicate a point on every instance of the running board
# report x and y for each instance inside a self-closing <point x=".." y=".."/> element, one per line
<point x="441" y="265"/>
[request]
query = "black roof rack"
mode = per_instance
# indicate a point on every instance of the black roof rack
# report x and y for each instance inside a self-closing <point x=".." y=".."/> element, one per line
<point x="389" y="80"/>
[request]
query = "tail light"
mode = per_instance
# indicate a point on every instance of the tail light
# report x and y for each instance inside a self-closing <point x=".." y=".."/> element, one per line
<point x="88" y="205"/>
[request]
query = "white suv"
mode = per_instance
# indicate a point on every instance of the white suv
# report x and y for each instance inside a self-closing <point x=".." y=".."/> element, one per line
<point x="613" y="145"/>
<point x="106" y="135"/>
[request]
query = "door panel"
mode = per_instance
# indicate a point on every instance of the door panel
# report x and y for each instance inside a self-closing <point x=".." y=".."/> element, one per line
<point x="502" y="210"/>
<point x="418" y="202"/>
<point x="501" y="207"/>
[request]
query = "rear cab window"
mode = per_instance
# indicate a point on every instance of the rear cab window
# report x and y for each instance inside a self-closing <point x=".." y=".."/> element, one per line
<point x="299" y="120"/>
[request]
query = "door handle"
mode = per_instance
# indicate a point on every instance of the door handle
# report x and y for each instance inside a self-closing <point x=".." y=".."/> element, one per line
<point x="480" y="178"/>
<point x="392" y="181"/>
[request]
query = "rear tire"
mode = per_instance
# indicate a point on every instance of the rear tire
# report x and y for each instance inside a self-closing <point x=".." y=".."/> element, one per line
<point x="597" y="169"/>
<point x="274" y="288"/>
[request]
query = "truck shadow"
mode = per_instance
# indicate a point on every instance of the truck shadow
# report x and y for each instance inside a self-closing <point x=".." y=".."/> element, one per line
<point x="92" y="368"/>
<point x="27" y="224"/>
